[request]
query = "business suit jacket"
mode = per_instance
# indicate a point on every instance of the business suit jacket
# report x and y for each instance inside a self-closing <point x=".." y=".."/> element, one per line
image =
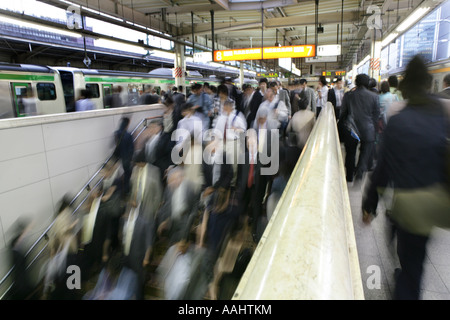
<point x="365" y="108"/>
<point x="284" y="96"/>
<point x="256" y="101"/>
<point x="309" y="94"/>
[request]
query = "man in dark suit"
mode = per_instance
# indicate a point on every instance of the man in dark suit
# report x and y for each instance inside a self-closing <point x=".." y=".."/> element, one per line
<point x="364" y="107"/>
<point x="445" y="93"/>
<point x="256" y="100"/>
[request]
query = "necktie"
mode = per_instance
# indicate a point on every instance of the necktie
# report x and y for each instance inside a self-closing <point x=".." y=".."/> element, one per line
<point x="250" y="173"/>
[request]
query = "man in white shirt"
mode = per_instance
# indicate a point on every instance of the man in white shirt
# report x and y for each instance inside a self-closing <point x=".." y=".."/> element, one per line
<point x="335" y="96"/>
<point x="277" y="108"/>
<point x="322" y="91"/>
<point x="190" y="125"/>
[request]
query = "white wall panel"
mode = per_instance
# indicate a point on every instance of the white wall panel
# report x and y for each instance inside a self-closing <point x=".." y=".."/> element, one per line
<point x="77" y="156"/>
<point x="19" y="142"/>
<point x="68" y="133"/>
<point x="22" y="171"/>
<point x="68" y="183"/>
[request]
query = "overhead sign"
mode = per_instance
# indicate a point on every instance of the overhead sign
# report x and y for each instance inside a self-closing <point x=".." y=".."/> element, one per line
<point x="202" y="57"/>
<point x="329" y="50"/>
<point x="285" y="63"/>
<point x="267" y="75"/>
<point x="321" y="59"/>
<point x="302" y="51"/>
<point x="333" y="73"/>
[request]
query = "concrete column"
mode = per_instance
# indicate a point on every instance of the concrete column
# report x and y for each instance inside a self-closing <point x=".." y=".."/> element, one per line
<point x="180" y="62"/>
<point x="375" y="56"/>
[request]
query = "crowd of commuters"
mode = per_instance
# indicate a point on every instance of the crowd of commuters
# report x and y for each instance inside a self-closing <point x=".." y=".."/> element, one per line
<point x="196" y="196"/>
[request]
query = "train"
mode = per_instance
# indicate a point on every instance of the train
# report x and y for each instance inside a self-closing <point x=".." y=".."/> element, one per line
<point x="55" y="89"/>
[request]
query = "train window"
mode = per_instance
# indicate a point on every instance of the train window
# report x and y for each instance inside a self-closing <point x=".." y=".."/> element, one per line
<point x="94" y="89"/>
<point x="24" y="101"/>
<point x="46" y="91"/>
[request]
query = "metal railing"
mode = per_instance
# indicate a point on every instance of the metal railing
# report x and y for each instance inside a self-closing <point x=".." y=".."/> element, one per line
<point x="143" y="123"/>
<point x="308" y="249"/>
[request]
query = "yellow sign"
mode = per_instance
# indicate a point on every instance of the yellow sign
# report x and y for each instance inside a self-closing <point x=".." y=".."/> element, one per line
<point x="333" y="73"/>
<point x="267" y="53"/>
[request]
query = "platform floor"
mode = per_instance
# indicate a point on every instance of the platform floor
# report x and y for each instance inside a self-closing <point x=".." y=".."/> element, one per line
<point x="375" y="248"/>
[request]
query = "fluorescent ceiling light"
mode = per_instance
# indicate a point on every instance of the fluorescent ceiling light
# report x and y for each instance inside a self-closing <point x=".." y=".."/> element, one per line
<point x="413" y="18"/>
<point x="39" y="27"/>
<point x="388" y="39"/>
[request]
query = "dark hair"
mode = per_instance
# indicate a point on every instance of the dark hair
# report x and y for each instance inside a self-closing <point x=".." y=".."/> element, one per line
<point x="245" y="86"/>
<point x="263" y="80"/>
<point x="338" y="79"/>
<point x="273" y="84"/>
<point x="393" y="81"/>
<point x="372" y="83"/>
<point x="303" y="81"/>
<point x="186" y="106"/>
<point x="384" y="87"/>
<point x="124" y="122"/>
<point x="180" y="88"/>
<point x="362" y="80"/>
<point x="206" y="84"/>
<point x="323" y="80"/>
<point x="196" y="86"/>
<point x="447" y="79"/>
<point x="416" y="81"/>
<point x="213" y="89"/>
<point x="168" y="101"/>
<point x="222" y="89"/>
<point x="175" y="89"/>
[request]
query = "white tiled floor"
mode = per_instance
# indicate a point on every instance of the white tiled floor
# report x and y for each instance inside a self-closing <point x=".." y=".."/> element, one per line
<point x="375" y="248"/>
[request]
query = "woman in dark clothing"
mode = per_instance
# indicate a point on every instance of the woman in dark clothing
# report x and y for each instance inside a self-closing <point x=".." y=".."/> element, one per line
<point x="412" y="161"/>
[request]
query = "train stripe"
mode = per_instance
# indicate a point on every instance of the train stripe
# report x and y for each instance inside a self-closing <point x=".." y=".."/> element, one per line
<point x="25" y="77"/>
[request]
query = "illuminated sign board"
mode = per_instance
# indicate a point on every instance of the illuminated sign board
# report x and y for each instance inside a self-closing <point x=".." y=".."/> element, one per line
<point x="202" y="57"/>
<point x="329" y="50"/>
<point x="265" y="53"/>
<point x="333" y="73"/>
<point x="267" y="75"/>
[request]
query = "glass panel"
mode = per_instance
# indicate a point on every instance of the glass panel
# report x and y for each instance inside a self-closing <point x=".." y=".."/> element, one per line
<point x="93" y="88"/>
<point x="46" y="91"/>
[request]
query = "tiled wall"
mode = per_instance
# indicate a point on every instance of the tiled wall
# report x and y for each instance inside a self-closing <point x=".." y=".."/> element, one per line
<point x="44" y="158"/>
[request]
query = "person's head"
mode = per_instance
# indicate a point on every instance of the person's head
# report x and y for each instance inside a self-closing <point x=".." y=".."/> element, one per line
<point x="169" y="103"/>
<point x="228" y="80"/>
<point x="384" y="87"/>
<point x="270" y="95"/>
<point x="247" y="89"/>
<point x="362" y="80"/>
<point x="274" y="86"/>
<point x="124" y="123"/>
<point x="196" y="88"/>
<point x="416" y="81"/>
<point x="207" y="88"/>
<point x="262" y="116"/>
<point x="174" y="89"/>
<point x="372" y="83"/>
<point x="228" y="106"/>
<point x="180" y="88"/>
<point x="322" y="81"/>
<point x="446" y="81"/>
<point x="187" y="109"/>
<point x="338" y="83"/>
<point x="303" y="83"/>
<point x="85" y="94"/>
<point x="393" y="81"/>
<point x="148" y="88"/>
<point x="222" y="91"/>
<point x="263" y="83"/>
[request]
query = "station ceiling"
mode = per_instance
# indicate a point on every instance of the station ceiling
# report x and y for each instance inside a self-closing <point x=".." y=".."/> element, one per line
<point x="245" y="24"/>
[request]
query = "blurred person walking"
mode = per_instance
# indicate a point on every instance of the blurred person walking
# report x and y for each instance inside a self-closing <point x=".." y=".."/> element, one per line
<point x="361" y="108"/>
<point x="414" y="160"/>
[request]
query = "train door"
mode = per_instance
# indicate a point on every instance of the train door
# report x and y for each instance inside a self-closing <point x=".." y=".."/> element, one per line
<point x="107" y="95"/>
<point x="68" y="89"/>
<point x="20" y="91"/>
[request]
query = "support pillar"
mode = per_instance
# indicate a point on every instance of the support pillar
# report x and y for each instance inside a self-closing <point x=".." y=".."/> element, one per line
<point x="375" y="60"/>
<point x="241" y="74"/>
<point x="179" y="67"/>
